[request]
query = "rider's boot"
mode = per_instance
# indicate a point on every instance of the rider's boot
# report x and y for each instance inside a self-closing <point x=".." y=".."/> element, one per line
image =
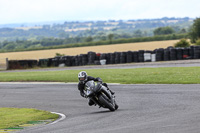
<point x="108" y="88"/>
<point x="90" y="102"/>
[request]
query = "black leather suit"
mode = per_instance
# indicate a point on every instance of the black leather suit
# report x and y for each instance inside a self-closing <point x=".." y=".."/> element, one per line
<point x="81" y="86"/>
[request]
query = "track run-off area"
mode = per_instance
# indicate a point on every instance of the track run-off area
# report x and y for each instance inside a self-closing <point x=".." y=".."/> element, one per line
<point x="147" y="108"/>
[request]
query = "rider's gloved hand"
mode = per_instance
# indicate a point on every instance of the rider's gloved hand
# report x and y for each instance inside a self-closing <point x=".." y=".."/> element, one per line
<point x="104" y="84"/>
<point x="84" y="95"/>
<point x="99" y="80"/>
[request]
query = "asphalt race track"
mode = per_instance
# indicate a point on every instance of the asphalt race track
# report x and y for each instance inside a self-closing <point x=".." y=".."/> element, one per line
<point x="142" y="108"/>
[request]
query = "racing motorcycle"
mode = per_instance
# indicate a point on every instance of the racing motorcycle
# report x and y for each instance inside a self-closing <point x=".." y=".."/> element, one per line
<point x="100" y="95"/>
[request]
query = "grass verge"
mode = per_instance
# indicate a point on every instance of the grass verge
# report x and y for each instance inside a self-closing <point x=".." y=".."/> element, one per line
<point x="13" y="117"/>
<point x="172" y="75"/>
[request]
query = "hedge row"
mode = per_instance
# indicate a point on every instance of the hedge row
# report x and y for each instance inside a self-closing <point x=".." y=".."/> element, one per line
<point x="92" y="58"/>
<point x="107" y="42"/>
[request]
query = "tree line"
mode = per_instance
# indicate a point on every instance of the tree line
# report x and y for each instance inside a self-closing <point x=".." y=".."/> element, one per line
<point x="53" y="43"/>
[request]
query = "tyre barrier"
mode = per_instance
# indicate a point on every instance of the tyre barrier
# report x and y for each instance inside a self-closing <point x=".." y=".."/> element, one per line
<point x="129" y="57"/>
<point x="102" y="56"/>
<point x="196" y="52"/>
<point x="135" y="56"/>
<point x="50" y="62"/>
<point x="117" y="57"/>
<point x="66" y="60"/>
<point x="122" y="57"/>
<point x="186" y="54"/>
<point x="92" y="58"/>
<point x="172" y="55"/>
<point x="43" y="62"/>
<point x="179" y="54"/>
<point x="112" y="58"/>
<point x="191" y="52"/>
<point x="141" y="55"/>
<point x="56" y="61"/>
<point x="108" y="60"/>
<point x="159" y="54"/>
<point x="166" y="55"/>
<point x="22" y="64"/>
<point x="84" y="59"/>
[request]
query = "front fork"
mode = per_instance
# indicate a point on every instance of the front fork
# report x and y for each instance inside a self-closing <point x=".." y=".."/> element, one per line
<point x="109" y="95"/>
<point x="95" y="100"/>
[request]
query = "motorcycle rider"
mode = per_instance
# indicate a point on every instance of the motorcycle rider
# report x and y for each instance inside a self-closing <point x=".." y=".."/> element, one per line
<point x="83" y="78"/>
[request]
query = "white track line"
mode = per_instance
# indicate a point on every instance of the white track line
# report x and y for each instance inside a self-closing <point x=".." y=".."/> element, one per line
<point x="62" y="117"/>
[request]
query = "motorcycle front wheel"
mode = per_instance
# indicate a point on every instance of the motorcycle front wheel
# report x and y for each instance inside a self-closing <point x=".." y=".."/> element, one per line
<point x="104" y="100"/>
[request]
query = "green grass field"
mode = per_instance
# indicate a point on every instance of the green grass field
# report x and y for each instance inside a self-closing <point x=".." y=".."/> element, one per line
<point x="176" y="75"/>
<point x="13" y="117"/>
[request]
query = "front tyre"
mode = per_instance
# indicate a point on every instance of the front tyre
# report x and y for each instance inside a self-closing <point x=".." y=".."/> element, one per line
<point x="116" y="106"/>
<point x="103" y="100"/>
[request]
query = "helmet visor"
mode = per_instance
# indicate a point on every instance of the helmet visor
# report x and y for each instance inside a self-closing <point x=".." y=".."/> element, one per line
<point x="82" y="79"/>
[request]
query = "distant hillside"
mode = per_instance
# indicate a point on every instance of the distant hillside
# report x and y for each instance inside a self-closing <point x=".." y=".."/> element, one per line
<point x="97" y="29"/>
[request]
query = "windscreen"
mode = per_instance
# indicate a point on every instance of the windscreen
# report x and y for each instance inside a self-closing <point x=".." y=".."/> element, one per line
<point x="90" y="84"/>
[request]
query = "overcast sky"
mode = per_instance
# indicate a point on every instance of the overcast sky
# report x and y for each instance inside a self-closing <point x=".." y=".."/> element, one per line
<point x="23" y="11"/>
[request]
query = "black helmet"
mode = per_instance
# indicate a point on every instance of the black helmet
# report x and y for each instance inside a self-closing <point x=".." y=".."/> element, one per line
<point x="82" y="77"/>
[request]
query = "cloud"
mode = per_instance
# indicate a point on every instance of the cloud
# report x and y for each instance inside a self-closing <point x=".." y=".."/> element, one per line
<point x="159" y="8"/>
